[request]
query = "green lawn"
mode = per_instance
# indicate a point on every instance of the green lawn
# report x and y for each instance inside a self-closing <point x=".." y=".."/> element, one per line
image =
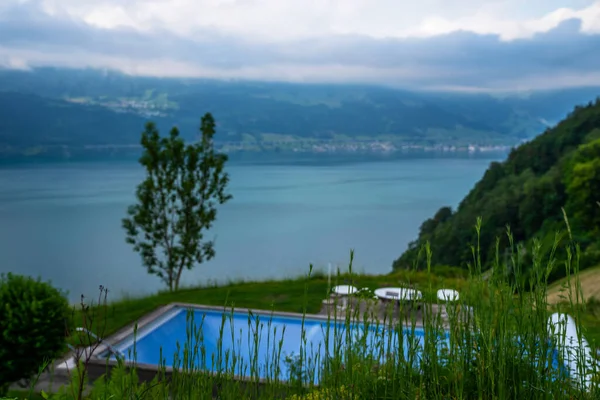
<point x="292" y="295"/>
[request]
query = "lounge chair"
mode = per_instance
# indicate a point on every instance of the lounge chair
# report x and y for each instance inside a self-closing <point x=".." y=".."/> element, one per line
<point x="573" y="348"/>
<point x="343" y="292"/>
<point x="447" y="295"/>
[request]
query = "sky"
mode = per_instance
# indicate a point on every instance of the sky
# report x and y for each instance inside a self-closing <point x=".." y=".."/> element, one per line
<point x="459" y="45"/>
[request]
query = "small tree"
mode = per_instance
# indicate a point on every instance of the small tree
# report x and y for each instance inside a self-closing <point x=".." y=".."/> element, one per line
<point x="176" y="203"/>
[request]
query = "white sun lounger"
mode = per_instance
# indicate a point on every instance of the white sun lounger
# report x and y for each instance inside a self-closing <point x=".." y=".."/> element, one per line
<point x="344" y="291"/>
<point x="573" y="348"/>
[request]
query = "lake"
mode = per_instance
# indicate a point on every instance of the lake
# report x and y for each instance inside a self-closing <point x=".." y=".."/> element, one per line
<point x="62" y="221"/>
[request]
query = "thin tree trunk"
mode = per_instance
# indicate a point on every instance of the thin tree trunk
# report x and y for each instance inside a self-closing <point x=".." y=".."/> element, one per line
<point x="178" y="277"/>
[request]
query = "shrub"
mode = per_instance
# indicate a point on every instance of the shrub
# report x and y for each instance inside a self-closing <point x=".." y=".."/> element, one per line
<point x="33" y="317"/>
<point x="445" y="271"/>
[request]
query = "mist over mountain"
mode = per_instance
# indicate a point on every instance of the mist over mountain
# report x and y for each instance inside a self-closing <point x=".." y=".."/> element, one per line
<point x="73" y="109"/>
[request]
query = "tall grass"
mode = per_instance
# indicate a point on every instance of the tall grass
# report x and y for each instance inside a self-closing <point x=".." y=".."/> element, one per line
<point x="494" y="344"/>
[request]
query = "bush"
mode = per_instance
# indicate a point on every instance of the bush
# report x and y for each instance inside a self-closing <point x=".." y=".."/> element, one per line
<point x="590" y="257"/>
<point x="445" y="271"/>
<point x="33" y="317"/>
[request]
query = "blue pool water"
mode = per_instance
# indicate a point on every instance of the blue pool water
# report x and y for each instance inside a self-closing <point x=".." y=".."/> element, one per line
<point x="226" y="335"/>
<point x="260" y="343"/>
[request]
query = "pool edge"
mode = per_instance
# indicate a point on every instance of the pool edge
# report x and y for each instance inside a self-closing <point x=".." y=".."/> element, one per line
<point x="99" y="365"/>
<point x="67" y="363"/>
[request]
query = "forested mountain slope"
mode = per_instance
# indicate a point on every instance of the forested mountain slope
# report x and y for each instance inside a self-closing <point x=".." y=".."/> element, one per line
<point x="261" y="111"/>
<point x="57" y="113"/>
<point x="558" y="169"/>
<point x="30" y="120"/>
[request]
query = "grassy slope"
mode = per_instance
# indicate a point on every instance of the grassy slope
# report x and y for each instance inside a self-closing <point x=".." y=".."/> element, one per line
<point x="589" y="280"/>
<point x="287" y="295"/>
<point x="299" y="295"/>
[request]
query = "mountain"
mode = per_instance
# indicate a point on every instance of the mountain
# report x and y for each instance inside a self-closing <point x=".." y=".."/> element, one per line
<point x="35" y="127"/>
<point x="560" y="169"/>
<point x="29" y="120"/>
<point x="60" y="107"/>
<point x="552" y="105"/>
<point x="75" y="110"/>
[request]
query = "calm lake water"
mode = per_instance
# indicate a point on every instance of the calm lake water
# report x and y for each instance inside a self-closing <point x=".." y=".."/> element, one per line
<point x="63" y="221"/>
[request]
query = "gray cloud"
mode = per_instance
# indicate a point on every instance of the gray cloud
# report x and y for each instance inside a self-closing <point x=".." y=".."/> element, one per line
<point x="560" y="57"/>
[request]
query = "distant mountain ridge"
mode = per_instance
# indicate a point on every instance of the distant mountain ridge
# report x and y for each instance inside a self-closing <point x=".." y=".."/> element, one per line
<point x="50" y="107"/>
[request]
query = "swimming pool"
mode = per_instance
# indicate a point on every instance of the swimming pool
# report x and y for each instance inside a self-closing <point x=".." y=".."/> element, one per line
<point x="249" y="343"/>
<point x="253" y="345"/>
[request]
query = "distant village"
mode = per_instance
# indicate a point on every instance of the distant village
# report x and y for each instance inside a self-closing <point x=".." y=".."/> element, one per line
<point x="139" y="107"/>
<point x="367" y="146"/>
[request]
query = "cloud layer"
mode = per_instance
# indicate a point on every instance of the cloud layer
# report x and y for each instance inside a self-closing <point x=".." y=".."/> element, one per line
<point x="487" y="45"/>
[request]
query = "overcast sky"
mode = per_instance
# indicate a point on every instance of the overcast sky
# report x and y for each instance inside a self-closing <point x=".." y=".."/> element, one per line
<point x="429" y="44"/>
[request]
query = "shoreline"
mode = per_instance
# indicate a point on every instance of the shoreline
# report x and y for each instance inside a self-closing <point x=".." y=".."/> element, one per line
<point x="132" y="154"/>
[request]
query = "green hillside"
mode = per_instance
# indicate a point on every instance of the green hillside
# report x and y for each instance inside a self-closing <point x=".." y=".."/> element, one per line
<point x="27" y="119"/>
<point x="559" y="169"/>
<point x="75" y="112"/>
<point x="246" y="111"/>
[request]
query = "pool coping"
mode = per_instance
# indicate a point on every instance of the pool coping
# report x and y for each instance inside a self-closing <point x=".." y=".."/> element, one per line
<point x="98" y="365"/>
<point x="67" y="363"/>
